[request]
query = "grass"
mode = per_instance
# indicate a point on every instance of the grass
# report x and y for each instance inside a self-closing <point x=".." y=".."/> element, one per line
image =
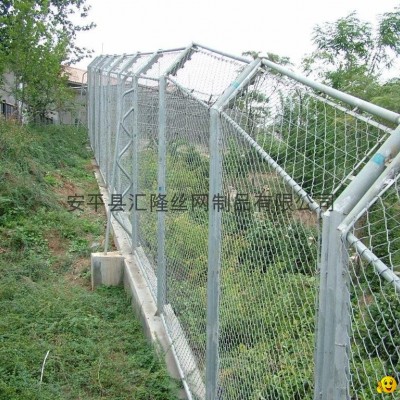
<point x="96" y="348"/>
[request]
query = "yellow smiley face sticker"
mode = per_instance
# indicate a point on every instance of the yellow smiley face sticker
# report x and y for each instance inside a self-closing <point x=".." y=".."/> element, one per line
<point x="386" y="385"/>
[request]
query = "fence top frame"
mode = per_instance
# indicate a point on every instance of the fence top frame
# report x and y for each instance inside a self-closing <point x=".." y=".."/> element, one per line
<point x="95" y="61"/>
<point x="355" y="102"/>
<point x="142" y="70"/>
<point x="222" y="53"/>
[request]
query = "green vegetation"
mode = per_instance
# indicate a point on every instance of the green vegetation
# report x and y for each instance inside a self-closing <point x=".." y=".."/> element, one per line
<point x="268" y="265"/>
<point x="269" y="277"/>
<point x="96" y="347"/>
<point x="36" y="38"/>
<point x="352" y="55"/>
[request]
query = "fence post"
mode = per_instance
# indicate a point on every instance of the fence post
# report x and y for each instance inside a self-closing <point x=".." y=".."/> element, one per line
<point x="162" y="165"/>
<point x="321" y="311"/>
<point x="109" y="129"/>
<point x="96" y="105"/>
<point x="119" y="118"/>
<point x="162" y="168"/>
<point x="332" y="372"/>
<point x="102" y="112"/>
<point x="91" y="98"/>
<point x="214" y="257"/>
<point x="97" y="99"/>
<point x="214" y="232"/>
<point x="135" y="162"/>
<point x="135" y="143"/>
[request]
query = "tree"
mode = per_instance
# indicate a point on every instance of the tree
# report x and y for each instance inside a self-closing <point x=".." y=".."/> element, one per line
<point x="251" y="101"/>
<point x="37" y="37"/>
<point x="351" y="54"/>
<point x="269" y="56"/>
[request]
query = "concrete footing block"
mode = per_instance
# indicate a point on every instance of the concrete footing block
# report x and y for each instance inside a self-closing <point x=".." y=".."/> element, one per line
<point x="107" y="269"/>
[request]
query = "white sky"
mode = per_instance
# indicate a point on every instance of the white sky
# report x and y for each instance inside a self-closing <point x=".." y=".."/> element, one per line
<point x="279" y="26"/>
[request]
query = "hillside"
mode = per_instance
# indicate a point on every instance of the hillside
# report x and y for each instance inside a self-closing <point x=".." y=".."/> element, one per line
<point x="96" y="349"/>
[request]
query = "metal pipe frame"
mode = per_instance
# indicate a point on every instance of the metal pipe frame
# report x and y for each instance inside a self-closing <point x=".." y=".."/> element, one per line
<point x="102" y="114"/>
<point x="214" y="232"/>
<point x="117" y="155"/>
<point x="382" y="269"/>
<point x="380" y="186"/>
<point x="313" y="205"/>
<point x="161" y="179"/>
<point x="336" y="94"/>
<point x="222" y="53"/>
<point x="332" y="371"/>
<point x="108" y="141"/>
<point x="135" y="140"/>
<point x="96" y="104"/>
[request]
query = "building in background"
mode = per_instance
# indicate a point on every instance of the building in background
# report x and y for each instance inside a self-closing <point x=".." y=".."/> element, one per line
<point x="9" y="106"/>
<point x="74" y="113"/>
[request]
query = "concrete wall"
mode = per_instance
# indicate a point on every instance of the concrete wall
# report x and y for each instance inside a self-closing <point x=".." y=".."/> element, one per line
<point x="7" y="88"/>
<point x="8" y="104"/>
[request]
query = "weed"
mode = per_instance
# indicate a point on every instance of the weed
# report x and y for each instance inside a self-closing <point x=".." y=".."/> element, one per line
<point x="96" y="347"/>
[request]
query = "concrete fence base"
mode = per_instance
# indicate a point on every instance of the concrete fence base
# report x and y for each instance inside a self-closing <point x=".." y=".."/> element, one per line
<point x="107" y="269"/>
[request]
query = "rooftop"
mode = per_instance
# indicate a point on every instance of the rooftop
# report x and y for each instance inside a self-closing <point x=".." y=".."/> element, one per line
<point x="76" y="76"/>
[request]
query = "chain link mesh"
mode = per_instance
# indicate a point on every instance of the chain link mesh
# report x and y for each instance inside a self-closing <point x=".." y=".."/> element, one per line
<point x="287" y="153"/>
<point x="375" y="305"/>
<point x="271" y="238"/>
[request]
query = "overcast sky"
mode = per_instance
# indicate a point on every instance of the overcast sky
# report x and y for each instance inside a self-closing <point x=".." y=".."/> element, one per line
<point x="279" y="26"/>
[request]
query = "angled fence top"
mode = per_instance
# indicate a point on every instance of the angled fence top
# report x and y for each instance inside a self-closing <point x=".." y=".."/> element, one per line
<point x="263" y="210"/>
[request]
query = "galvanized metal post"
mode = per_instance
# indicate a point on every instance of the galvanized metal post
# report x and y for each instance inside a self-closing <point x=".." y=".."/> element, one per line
<point x="112" y="188"/>
<point x="214" y="233"/>
<point x="332" y="374"/>
<point x="91" y="104"/>
<point x="135" y="144"/>
<point x="322" y="314"/>
<point x="96" y="104"/>
<point x="89" y="111"/>
<point x="162" y="167"/>
<point x="214" y="258"/>
<point x="333" y="337"/>
<point x="91" y="97"/>
<point x="97" y="95"/>
<point x="135" y="163"/>
<point x="102" y="113"/>
<point x="109" y="127"/>
<point x="342" y="343"/>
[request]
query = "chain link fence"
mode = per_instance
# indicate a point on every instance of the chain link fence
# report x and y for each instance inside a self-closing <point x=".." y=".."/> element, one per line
<point x="263" y="211"/>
